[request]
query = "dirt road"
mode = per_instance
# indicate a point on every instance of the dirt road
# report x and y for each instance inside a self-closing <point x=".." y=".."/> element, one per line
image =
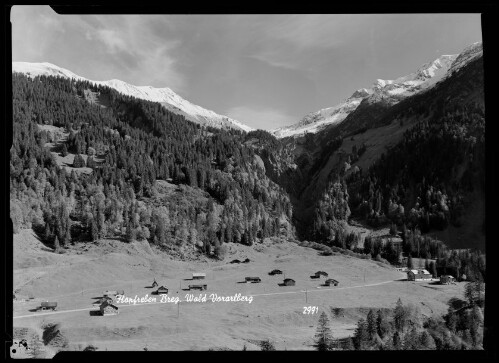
<point x="319" y="289"/>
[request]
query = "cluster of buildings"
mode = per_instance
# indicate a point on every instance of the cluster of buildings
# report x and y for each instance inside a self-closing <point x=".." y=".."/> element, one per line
<point x="424" y="275"/>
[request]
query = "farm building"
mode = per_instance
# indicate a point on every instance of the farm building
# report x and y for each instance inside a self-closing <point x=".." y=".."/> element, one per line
<point x="253" y="279"/>
<point x="447" y="279"/>
<point x="289" y="282"/>
<point x="235" y="261"/>
<point x="275" y="272"/>
<point x="154" y="283"/>
<point x="161" y="290"/>
<point x="46" y="305"/>
<point x="418" y="275"/>
<point x="198" y="275"/>
<point x="198" y="287"/>
<point x="106" y="308"/>
<point x="402" y="269"/>
<point x="321" y="273"/>
<point x="330" y="282"/>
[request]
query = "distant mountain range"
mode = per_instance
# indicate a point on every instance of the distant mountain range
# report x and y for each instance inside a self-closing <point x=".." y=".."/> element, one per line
<point x="388" y="92"/>
<point x="165" y="96"/>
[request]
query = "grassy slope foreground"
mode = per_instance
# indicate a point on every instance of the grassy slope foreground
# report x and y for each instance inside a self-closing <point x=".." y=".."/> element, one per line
<point x="83" y="272"/>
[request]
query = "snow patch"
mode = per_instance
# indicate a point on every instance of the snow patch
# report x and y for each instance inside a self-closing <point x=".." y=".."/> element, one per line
<point x="391" y="91"/>
<point x="165" y="95"/>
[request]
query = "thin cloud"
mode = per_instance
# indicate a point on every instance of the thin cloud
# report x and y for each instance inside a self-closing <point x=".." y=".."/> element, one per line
<point x="99" y="47"/>
<point x="112" y="39"/>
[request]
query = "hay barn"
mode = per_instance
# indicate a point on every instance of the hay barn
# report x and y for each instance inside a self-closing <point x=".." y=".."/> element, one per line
<point x="198" y="276"/>
<point x="106" y="308"/>
<point x="253" y="279"/>
<point x="330" y="282"/>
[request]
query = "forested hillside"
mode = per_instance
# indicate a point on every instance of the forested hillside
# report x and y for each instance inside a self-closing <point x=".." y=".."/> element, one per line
<point x="429" y="178"/>
<point x="130" y="144"/>
<point x="130" y="155"/>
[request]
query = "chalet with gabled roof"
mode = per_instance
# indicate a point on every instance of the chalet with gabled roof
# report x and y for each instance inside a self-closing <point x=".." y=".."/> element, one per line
<point x="418" y="275"/>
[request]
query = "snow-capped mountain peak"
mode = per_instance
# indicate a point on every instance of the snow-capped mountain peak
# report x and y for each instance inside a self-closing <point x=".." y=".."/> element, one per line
<point x="165" y="96"/>
<point x="390" y="91"/>
<point x="469" y="53"/>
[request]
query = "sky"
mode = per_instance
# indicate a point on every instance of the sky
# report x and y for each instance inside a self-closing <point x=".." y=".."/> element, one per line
<point x="266" y="71"/>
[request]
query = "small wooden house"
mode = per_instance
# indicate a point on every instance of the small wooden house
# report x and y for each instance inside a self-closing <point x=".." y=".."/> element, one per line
<point x="198" y="276"/>
<point x="447" y="279"/>
<point x="198" y="287"/>
<point x="154" y="284"/>
<point x="253" y="279"/>
<point x="46" y="305"/>
<point x="161" y="290"/>
<point x="289" y="282"/>
<point x="320" y="273"/>
<point x="418" y="275"/>
<point x="235" y="261"/>
<point x="275" y="272"/>
<point x="330" y="282"/>
<point x="107" y="308"/>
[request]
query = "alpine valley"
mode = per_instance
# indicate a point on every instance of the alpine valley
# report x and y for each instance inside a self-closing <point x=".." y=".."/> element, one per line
<point x="112" y="184"/>
<point x="407" y="152"/>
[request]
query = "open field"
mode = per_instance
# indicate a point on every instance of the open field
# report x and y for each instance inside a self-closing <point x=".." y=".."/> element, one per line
<point x="276" y="313"/>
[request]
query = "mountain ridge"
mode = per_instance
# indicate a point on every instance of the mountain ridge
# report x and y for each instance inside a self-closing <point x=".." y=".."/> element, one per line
<point x="386" y="91"/>
<point x="166" y="96"/>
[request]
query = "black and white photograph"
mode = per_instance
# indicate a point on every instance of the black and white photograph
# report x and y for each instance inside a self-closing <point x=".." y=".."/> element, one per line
<point x="247" y="182"/>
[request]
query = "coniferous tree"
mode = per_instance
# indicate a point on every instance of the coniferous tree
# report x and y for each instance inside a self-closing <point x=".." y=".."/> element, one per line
<point x="323" y="336"/>
<point x="47" y="234"/>
<point x="411" y="340"/>
<point x="267" y="345"/>
<point x="348" y="344"/>
<point x="426" y="341"/>
<point x="361" y="336"/>
<point x="64" y="150"/>
<point x="371" y="324"/>
<point x="382" y="324"/>
<point x="94" y="230"/>
<point x="397" y="341"/>
<point x="90" y="162"/>
<point x="399" y="316"/>
<point x="57" y="246"/>
<point x="78" y="161"/>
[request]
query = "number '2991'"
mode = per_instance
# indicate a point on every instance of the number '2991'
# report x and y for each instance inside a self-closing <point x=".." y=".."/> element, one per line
<point x="310" y="309"/>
